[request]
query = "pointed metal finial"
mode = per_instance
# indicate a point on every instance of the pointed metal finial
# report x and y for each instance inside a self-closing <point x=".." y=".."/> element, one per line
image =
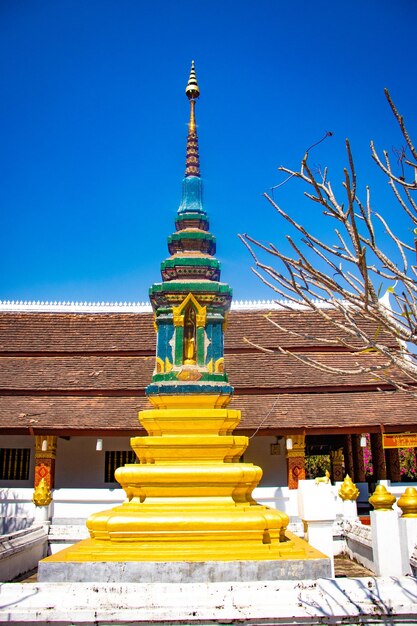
<point x="192" y="161"/>
<point x="192" y="89"/>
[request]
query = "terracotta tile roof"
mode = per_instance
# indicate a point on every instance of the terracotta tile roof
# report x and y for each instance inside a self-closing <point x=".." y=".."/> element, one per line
<point x="255" y="326"/>
<point x="88" y="371"/>
<point x="261" y="371"/>
<point x="252" y="370"/>
<point x="278" y="413"/>
<point x="76" y="332"/>
<point x="76" y="372"/>
<point x="64" y="413"/>
<point x="126" y="332"/>
<point x="331" y="411"/>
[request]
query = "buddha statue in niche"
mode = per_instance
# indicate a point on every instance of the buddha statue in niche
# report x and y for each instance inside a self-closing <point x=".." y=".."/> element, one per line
<point x="189" y="346"/>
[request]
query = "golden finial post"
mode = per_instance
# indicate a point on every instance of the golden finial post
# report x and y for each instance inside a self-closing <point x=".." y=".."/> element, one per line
<point x="349" y="493"/>
<point x="382" y="499"/>
<point x="408" y="502"/>
<point x="192" y="91"/>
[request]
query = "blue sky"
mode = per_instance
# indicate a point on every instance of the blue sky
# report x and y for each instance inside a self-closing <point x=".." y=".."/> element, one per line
<point x="93" y="125"/>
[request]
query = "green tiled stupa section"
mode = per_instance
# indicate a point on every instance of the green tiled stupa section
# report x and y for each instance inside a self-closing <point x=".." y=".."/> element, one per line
<point x="190" y="304"/>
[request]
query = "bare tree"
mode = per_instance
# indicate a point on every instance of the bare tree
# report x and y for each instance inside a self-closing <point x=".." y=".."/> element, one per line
<point x="353" y="282"/>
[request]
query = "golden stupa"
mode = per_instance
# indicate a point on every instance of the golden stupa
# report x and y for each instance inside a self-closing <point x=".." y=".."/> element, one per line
<point x="189" y="498"/>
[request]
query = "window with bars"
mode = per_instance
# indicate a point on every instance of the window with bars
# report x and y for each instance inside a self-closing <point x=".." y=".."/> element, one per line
<point x="115" y="459"/>
<point x="14" y="463"/>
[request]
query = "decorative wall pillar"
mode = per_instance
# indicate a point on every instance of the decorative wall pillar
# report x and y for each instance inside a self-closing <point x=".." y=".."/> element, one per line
<point x="392" y="459"/>
<point x="348" y="456"/>
<point x="349" y="493"/>
<point x="358" y="460"/>
<point x="378" y="457"/>
<point x="385" y="533"/>
<point x="408" y="526"/>
<point x="296" y="468"/>
<point x="45" y="454"/>
<point x="336" y="464"/>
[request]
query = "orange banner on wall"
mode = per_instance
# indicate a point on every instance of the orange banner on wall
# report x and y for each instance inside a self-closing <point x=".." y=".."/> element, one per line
<point x="407" y="440"/>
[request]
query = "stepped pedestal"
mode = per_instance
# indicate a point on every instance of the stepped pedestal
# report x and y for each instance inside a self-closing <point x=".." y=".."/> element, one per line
<point x="189" y="502"/>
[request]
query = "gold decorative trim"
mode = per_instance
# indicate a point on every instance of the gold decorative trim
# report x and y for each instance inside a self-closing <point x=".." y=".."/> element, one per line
<point x="298" y="446"/>
<point x="337" y="456"/>
<point x="219" y="365"/>
<point x="178" y="320"/>
<point x="51" y="442"/>
<point x="159" y="365"/>
<point x="178" y="311"/>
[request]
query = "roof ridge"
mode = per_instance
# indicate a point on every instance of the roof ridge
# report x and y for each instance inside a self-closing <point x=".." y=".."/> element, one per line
<point x="136" y="307"/>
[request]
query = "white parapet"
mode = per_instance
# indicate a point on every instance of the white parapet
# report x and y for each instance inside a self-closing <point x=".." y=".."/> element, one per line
<point x="317" y="508"/>
<point x="386" y="543"/>
<point x="358" y="541"/>
<point x="408" y="537"/>
<point x="20" y="551"/>
<point x="74" y="506"/>
<point x="350" y="510"/>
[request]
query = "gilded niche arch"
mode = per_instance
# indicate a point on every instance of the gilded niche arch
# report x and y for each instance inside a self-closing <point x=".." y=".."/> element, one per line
<point x="189" y="321"/>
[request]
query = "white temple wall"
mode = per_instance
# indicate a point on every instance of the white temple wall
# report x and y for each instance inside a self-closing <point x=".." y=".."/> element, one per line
<point x="274" y="466"/>
<point x="17" y="510"/>
<point x="79" y="465"/>
<point x="80" y="488"/>
<point x="74" y="506"/>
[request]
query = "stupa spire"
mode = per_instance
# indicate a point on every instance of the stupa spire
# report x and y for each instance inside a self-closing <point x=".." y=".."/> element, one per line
<point x="192" y="161"/>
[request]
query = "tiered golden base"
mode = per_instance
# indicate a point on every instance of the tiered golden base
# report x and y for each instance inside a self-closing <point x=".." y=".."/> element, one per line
<point x="94" y="550"/>
<point x="189" y="499"/>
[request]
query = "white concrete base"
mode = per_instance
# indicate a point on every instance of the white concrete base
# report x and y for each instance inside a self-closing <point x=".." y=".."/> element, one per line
<point x="347" y="601"/>
<point x="179" y="571"/>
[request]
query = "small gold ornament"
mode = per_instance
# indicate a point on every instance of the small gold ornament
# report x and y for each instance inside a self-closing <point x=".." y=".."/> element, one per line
<point x="323" y="479"/>
<point x="42" y="495"/>
<point x="408" y="502"/>
<point x="348" y="490"/>
<point x="382" y="499"/>
<point x="189" y="373"/>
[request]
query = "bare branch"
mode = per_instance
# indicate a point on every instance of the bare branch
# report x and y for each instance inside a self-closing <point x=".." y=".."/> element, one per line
<point x="340" y="281"/>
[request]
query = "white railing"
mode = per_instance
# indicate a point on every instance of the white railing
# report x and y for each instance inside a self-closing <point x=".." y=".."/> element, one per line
<point x="21" y="551"/>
